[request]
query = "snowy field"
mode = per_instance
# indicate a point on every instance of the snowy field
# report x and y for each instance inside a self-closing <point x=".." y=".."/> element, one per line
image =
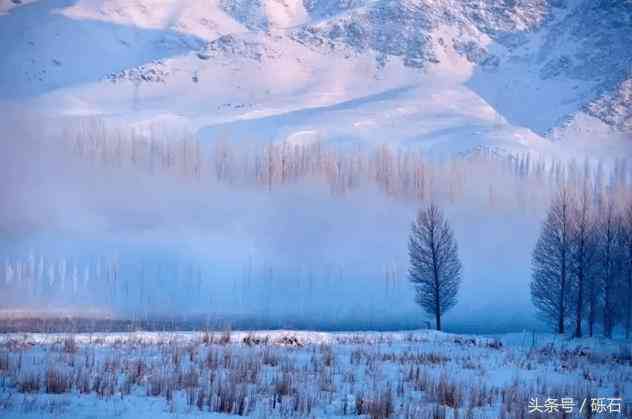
<point x="309" y="374"/>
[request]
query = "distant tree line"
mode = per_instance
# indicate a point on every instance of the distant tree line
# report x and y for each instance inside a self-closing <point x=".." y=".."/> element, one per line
<point x="144" y="288"/>
<point x="398" y="172"/>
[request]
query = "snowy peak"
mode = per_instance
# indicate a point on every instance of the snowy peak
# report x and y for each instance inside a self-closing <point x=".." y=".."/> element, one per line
<point x="557" y="47"/>
<point x="550" y="52"/>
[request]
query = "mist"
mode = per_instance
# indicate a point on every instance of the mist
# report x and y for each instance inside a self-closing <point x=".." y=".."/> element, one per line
<point x="104" y="221"/>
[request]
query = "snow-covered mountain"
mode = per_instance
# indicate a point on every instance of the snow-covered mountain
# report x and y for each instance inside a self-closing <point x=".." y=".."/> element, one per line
<point x="444" y="75"/>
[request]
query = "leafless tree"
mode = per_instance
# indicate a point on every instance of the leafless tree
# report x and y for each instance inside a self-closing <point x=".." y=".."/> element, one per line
<point x="583" y="255"/>
<point x="609" y="256"/>
<point x="550" y="263"/>
<point x="435" y="268"/>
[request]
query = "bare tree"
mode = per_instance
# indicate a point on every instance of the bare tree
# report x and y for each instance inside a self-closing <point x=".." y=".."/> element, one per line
<point x="583" y="254"/>
<point x="550" y="263"/>
<point x="435" y="268"/>
<point x="609" y="261"/>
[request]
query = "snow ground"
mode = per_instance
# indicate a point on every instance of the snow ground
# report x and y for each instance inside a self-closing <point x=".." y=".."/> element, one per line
<point x="303" y="374"/>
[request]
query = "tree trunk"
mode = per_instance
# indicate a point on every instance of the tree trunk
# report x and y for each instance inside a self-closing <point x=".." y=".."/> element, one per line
<point x="607" y="313"/>
<point x="628" y="308"/>
<point x="560" y="320"/>
<point x="437" y="302"/>
<point x="579" y="307"/>
<point x="591" y="314"/>
<point x="627" y="322"/>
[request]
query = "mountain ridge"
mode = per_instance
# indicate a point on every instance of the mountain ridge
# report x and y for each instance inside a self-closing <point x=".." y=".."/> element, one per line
<point x="538" y="64"/>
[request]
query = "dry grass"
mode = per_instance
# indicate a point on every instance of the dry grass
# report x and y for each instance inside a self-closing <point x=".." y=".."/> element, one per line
<point x="4" y="360"/>
<point x="70" y="344"/>
<point x="290" y="377"/>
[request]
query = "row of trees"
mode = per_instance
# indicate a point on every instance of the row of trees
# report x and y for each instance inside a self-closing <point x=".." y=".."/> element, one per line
<point x="582" y="262"/>
<point x="402" y="173"/>
<point x="143" y="288"/>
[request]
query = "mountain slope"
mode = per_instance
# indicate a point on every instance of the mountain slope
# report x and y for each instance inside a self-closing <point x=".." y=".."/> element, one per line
<point x="494" y="73"/>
